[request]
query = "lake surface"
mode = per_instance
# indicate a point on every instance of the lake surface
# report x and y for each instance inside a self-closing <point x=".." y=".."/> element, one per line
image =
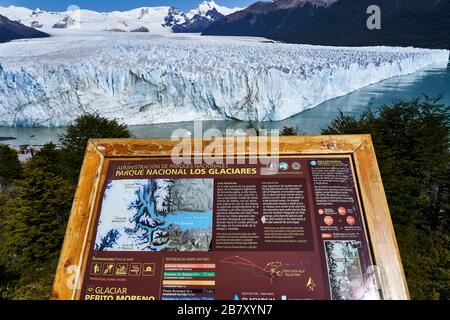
<point x="430" y="81"/>
<point x="190" y="220"/>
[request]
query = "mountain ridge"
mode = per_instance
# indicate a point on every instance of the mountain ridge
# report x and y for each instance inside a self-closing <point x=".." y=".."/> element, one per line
<point x="160" y="19"/>
<point x="11" y="30"/>
<point x="342" y="23"/>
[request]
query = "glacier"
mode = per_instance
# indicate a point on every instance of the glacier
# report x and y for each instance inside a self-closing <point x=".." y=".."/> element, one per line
<point x="154" y="78"/>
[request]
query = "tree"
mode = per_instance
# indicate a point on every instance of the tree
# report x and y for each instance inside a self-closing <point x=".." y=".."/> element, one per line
<point x="10" y="167"/>
<point x="411" y="140"/>
<point x="254" y="128"/>
<point x="288" y="131"/>
<point x="412" y="146"/>
<point x="77" y="135"/>
<point x="33" y="226"/>
<point x="49" y="159"/>
<point x="34" y="214"/>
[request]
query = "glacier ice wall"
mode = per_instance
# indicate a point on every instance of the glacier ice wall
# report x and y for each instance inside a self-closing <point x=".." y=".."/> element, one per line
<point x="166" y="79"/>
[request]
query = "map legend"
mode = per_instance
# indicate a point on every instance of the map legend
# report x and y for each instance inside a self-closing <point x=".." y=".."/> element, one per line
<point x="193" y="281"/>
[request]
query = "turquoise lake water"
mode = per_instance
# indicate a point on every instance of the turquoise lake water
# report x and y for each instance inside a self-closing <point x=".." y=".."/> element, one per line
<point x="431" y="81"/>
<point x="190" y="220"/>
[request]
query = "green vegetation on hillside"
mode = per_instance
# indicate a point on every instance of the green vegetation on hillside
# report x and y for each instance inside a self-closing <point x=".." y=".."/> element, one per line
<point x="35" y="209"/>
<point x="10" y="167"/>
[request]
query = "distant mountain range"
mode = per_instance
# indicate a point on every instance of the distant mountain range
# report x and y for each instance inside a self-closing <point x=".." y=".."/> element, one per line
<point x="193" y="21"/>
<point x="322" y="22"/>
<point x="342" y="22"/>
<point x="197" y="19"/>
<point x="146" y="19"/>
<point x="12" y="30"/>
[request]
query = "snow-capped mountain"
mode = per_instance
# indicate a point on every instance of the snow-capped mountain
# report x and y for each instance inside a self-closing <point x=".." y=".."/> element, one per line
<point x="207" y="6"/>
<point x="11" y="30"/>
<point x="146" y="19"/>
<point x="197" y="20"/>
<point x="150" y="18"/>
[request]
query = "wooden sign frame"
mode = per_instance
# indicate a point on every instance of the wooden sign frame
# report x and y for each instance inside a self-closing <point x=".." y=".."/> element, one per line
<point x="78" y="238"/>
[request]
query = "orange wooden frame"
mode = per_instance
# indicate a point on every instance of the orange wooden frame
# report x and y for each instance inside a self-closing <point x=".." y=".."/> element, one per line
<point x="72" y="263"/>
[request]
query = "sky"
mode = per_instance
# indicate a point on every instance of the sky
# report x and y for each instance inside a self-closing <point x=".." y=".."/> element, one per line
<point x="112" y="5"/>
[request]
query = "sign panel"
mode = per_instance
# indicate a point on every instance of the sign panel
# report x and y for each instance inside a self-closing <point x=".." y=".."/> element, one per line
<point x="202" y="231"/>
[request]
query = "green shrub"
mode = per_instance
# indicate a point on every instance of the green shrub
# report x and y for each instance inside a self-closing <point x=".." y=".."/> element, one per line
<point x="411" y="139"/>
<point x="34" y="214"/>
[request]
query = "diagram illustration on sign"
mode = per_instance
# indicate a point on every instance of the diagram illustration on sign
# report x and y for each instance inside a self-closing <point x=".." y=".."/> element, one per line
<point x="272" y="270"/>
<point x="156" y="215"/>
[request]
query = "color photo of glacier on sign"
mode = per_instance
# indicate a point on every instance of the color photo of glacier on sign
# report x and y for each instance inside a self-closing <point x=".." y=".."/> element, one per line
<point x="156" y="215"/>
<point x="347" y="281"/>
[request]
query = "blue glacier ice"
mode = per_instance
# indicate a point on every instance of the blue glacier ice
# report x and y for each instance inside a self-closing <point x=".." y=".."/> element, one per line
<point x="168" y="78"/>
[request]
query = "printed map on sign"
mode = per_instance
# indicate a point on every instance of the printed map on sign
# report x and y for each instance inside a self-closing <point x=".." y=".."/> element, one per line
<point x="156" y="215"/>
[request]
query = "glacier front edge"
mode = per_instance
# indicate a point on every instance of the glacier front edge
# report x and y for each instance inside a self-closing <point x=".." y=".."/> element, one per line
<point x="157" y="79"/>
